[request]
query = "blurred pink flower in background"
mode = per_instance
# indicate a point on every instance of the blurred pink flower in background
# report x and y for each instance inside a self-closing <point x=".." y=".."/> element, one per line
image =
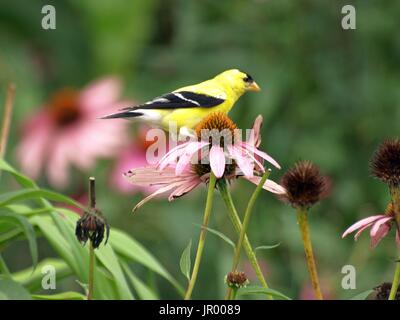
<point x="131" y="157"/>
<point x="66" y="131"/>
<point x="249" y="270"/>
<point x="307" y="292"/>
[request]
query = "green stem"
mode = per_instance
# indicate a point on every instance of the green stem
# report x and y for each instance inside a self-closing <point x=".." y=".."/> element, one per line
<point x="203" y="232"/>
<point x="395" y="194"/>
<point x="91" y="272"/>
<point x="234" y="293"/>
<point x="237" y="224"/>
<point x="6" y="122"/>
<point x="305" y="235"/>
<point x="396" y="281"/>
<point x="92" y="204"/>
<point x="246" y="221"/>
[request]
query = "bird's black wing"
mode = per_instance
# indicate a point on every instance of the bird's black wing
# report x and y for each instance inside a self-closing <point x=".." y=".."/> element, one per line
<point x="182" y="99"/>
<point x="173" y="100"/>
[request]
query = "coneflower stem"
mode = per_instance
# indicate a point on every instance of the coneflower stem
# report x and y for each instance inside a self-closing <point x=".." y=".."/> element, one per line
<point x="234" y="293"/>
<point x="395" y="194"/>
<point x="203" y="232"/>
<point x="246" y="221"/>
<point x="237" y="224"/>
<point x="5" y="127"/>
<point x="91" y="272"/>
<point x="305" y="235"/>
<point x="92" y="258"/>
<point x="396" y="281"/>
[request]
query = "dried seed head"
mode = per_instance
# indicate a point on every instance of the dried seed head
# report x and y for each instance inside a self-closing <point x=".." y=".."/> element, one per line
<point x="382" y="292"/>
<point x="385" y="163"/>
<point x="92" y="226"/>
<point x="236" y="279"/>
<point x="304" y="184"/>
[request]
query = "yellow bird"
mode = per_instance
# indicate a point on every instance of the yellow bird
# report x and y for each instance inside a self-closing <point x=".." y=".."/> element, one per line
<point x="187" y="106"/>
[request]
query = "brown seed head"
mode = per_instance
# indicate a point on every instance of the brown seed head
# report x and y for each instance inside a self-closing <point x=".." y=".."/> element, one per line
<point x="305" y="185"/>
<point x="385" y="163"/>
<point x="382" y="292"/>
<point x="92" y="226"/>
<point x="236" y="279"/>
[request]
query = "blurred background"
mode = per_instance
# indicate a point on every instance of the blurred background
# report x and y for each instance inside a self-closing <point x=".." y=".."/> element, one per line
<point x="329" y="95"/>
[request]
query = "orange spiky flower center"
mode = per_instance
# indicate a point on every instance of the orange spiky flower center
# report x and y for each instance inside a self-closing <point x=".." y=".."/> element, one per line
<point x="216" y="121"/>
<point x="217" y="126"/>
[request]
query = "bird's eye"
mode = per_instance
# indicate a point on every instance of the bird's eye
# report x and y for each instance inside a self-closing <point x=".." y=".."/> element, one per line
<point x="248" y="78"/>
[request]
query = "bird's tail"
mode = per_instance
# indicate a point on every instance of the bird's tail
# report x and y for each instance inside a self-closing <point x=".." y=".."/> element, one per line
<point x="123" y="115"/>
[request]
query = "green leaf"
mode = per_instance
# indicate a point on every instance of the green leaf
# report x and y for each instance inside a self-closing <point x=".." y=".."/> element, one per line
<point x="268" y="247"/>
<point x="220" y="235"/>
<point x="128" y="247"/>
<point x="262" y="290"/>
<point x="27" y="210"/>
<point x="185" y="261"/>
<point x="29" y="194"/>
<point x="20" y="178"/>
<point x="110" y="261"/>
<point x="11" y="290"/>
<point x="69" y="295"/>
<point x="362" y="296"/>
<point x="143" y="290"/>
<point x="29" y="232"/>
<point x="32" y="279"/>
<point x="56" y="240"/>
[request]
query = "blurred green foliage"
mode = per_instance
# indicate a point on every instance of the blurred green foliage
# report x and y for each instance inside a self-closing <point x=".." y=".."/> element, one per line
<point x="329" y="95"/>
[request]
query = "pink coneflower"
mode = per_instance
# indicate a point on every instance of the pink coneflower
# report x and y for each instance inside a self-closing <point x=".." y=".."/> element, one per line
<point x="189" y="176"/>
<point x="385" y="165"/>
<point x="245" y="155"/>
<point x="66" y="131"/>
<point x="380" y="226"/>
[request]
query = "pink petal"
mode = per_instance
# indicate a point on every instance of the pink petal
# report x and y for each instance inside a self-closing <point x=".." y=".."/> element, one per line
<point x="151" y="176"/>
<point x="32" y="151"/>
<point x="156" y="193"/>
<point x="184" y="188"/>
<point x="101" y="93"/>
<point x="358" y="233"/>
<point x="244" y="163"/>
<point x="257" y="131"/>
<point x="261" y="154"/>
<point x="362" y="223"/>
<point x="58" y="164"/>
<point x="269" y="185"/>
<point x="187" y="155"/>
<point x="132" y="157"/>
<point x="217" y="161"/>
<point x="379" y="234"/>
<point x="257" y="163"/>
<point x="171" y="156"/>
<point x="378" y="224"/>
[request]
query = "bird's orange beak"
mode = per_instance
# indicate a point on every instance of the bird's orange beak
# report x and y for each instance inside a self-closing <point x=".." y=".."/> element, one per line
<point x="253" y="87"/>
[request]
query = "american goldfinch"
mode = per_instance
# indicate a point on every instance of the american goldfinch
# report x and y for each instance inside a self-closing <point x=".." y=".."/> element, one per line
<point x="187" y="106"/>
